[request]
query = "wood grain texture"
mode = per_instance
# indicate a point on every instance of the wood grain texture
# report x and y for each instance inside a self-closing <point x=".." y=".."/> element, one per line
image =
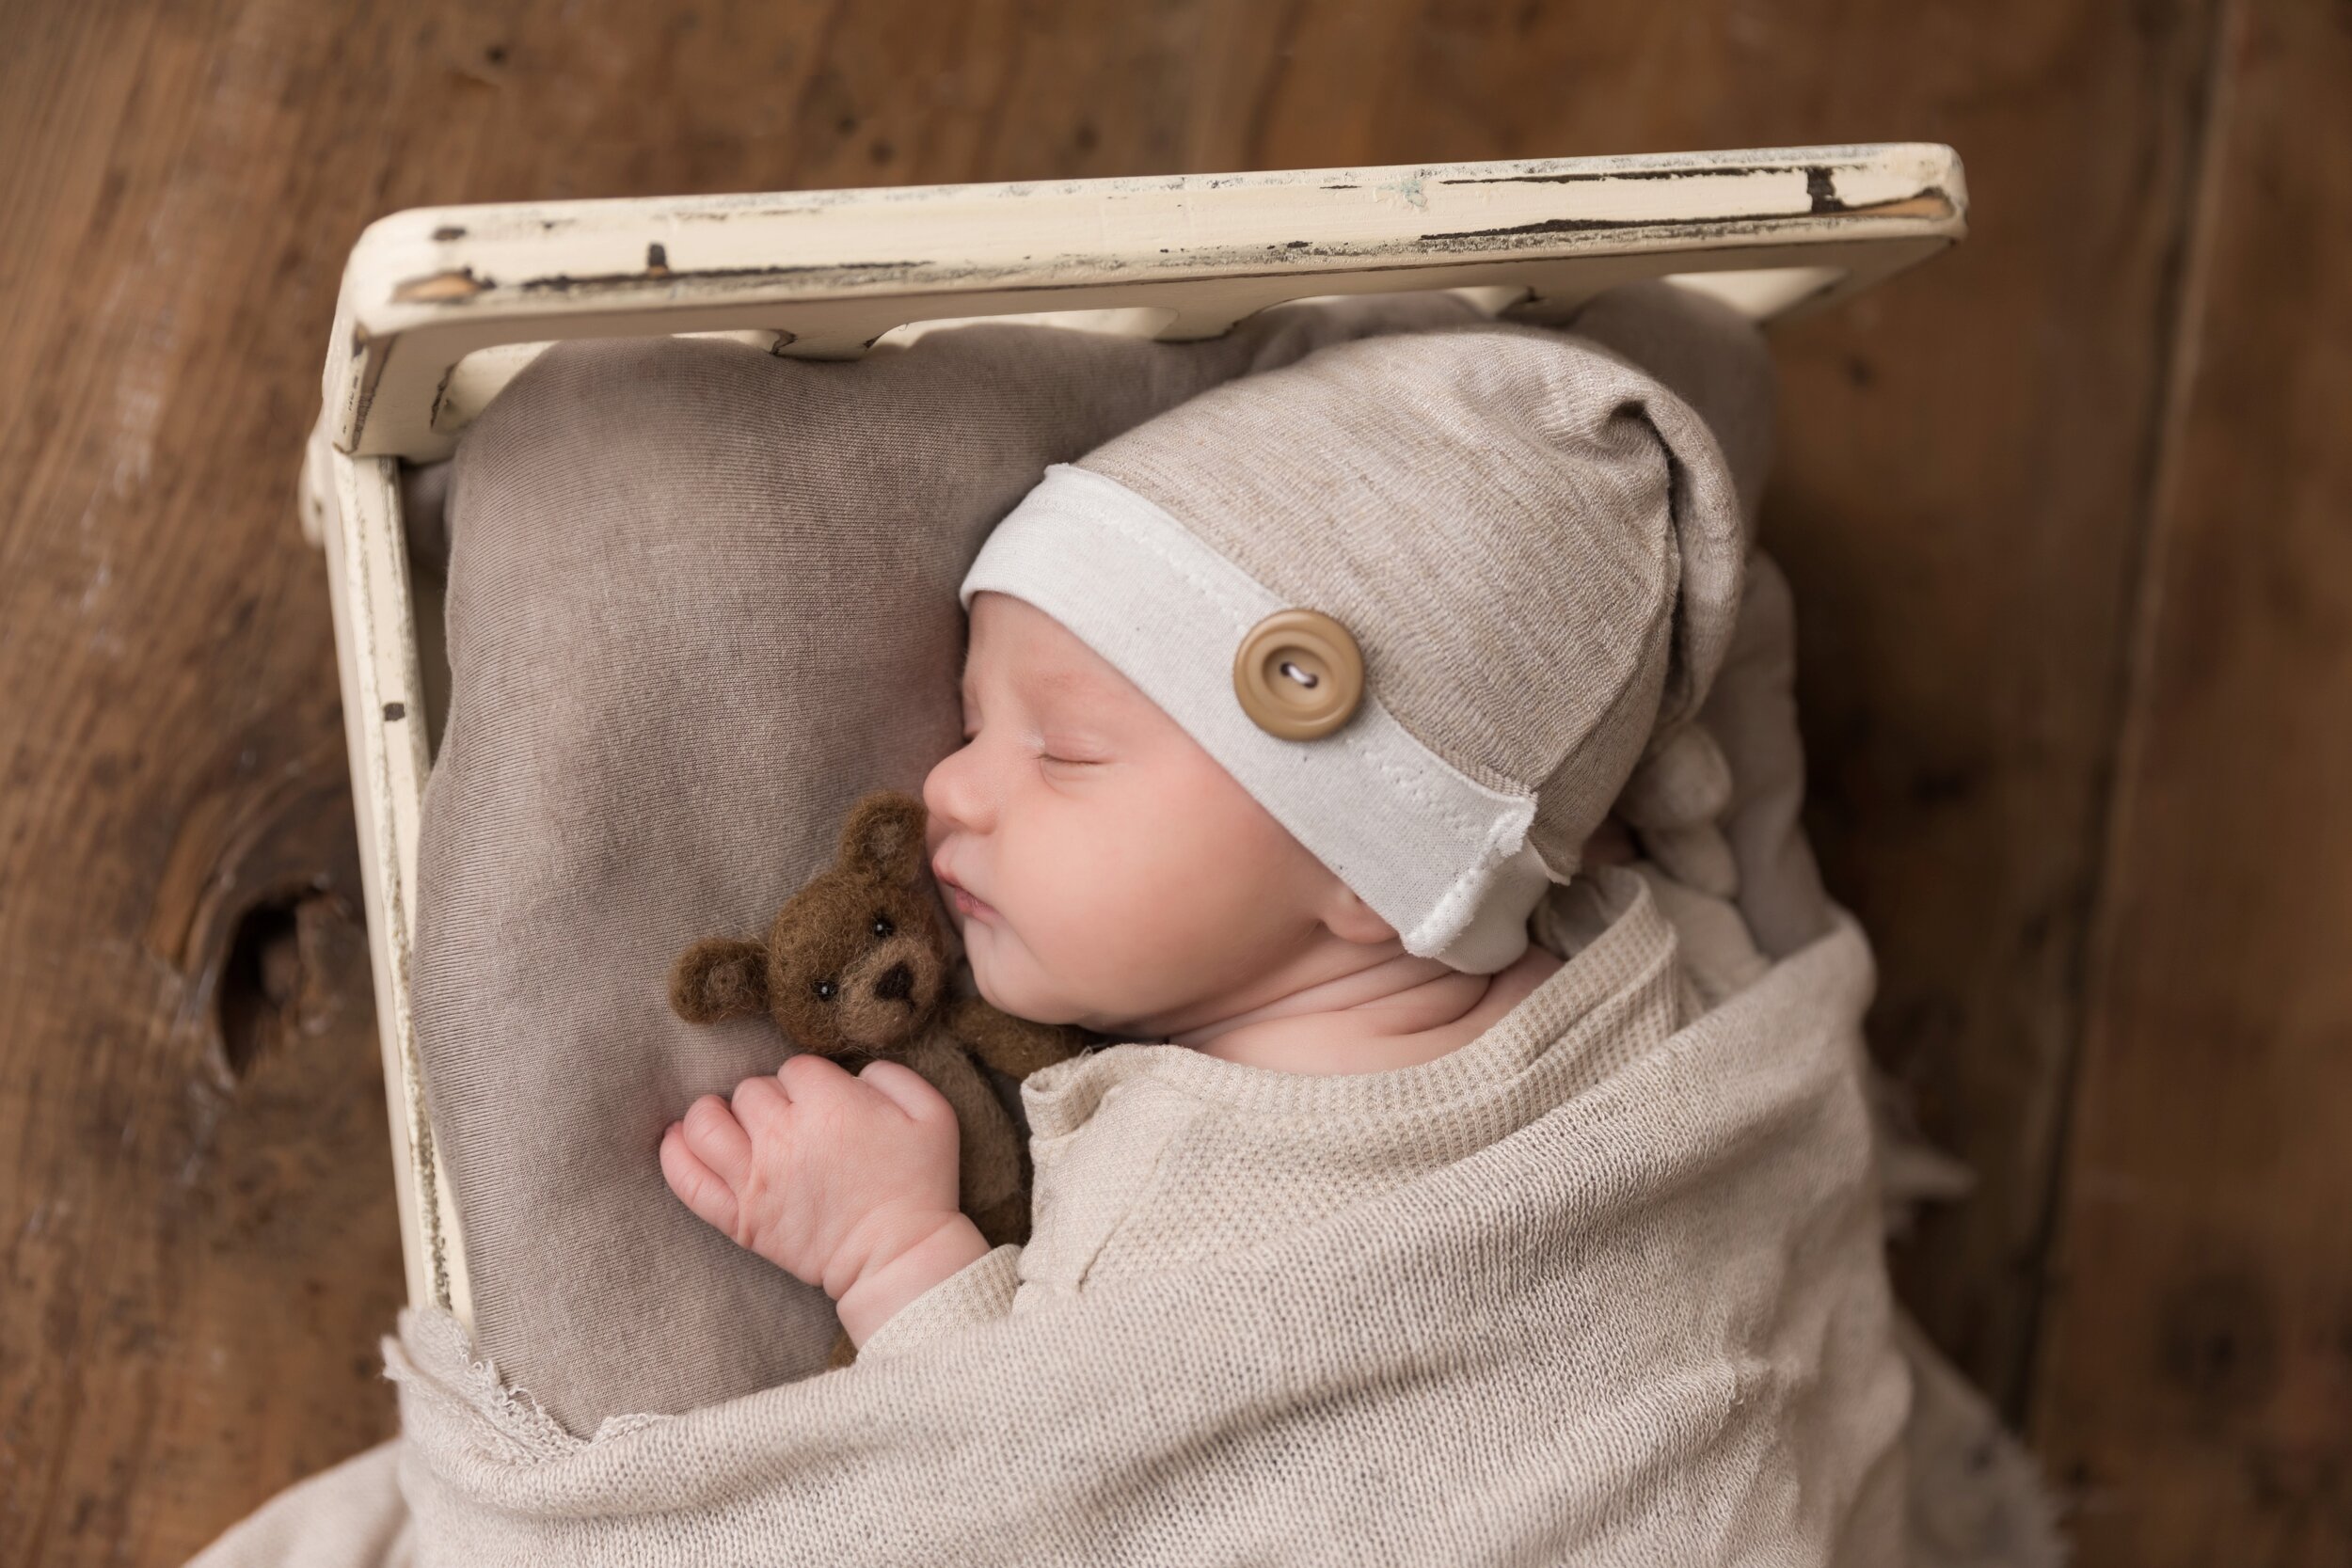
<point x="199" y="1253"/>
<point x="200" y="1236"/>
<point x="2197" y="1387"/>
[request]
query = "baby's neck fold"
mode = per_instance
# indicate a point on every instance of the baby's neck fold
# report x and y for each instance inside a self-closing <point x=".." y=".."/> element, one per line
<point x="1394" y="1012"/>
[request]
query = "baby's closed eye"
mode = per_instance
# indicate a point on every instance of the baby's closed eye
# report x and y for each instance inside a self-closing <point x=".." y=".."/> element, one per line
<point x="1072" y="751"/>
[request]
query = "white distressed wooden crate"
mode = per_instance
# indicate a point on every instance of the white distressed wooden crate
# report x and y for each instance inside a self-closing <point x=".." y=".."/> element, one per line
<point x="440" y="307"/>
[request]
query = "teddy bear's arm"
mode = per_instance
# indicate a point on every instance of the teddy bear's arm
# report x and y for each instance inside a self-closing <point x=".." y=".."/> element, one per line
<point x="1011" y="1045"/>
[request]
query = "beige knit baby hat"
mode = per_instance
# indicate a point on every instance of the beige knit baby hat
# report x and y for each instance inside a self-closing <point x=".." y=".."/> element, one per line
<point x="1427" y="597"/>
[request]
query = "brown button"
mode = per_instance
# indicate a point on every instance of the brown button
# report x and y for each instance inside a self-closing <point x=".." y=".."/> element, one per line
<point x="1299" y="674"/>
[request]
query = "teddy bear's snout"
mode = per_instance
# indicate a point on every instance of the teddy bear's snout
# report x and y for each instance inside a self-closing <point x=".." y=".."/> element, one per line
<point x="885" y="993"/>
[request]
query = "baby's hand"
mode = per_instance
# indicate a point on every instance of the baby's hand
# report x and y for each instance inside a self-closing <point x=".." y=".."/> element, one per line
<point x="847" y="1183"/>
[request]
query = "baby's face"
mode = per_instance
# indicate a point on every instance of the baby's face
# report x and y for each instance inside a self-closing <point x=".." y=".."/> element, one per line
<point x="1103" y="868"/>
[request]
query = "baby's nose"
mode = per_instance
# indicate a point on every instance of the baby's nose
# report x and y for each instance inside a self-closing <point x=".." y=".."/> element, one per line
<point x="955" y="794"/>
<point x="896" y="982"/>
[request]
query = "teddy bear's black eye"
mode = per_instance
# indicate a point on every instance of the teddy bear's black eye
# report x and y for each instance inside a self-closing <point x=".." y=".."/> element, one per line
<point x="883" y="926"/>
<point x="827" y="991"/>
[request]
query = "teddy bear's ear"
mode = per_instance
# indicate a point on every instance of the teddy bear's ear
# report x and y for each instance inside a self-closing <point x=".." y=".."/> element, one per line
<point x="883" y="837"/>
<point x="717" y="978"/>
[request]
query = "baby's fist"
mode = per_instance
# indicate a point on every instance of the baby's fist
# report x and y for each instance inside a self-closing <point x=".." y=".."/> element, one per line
<point x="824" y="1175"/>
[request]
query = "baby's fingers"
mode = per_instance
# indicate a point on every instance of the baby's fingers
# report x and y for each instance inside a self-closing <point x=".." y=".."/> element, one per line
<point x="696" y="1185"/>
<point x="715" y="1137"/>
<point x="909" y="1090"/>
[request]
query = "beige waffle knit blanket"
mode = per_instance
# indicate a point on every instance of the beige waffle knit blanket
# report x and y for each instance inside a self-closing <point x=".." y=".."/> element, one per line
<point x="1603" y="1285"/>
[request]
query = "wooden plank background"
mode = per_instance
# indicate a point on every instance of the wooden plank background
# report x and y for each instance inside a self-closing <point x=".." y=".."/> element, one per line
<point x="2066" y="514"/>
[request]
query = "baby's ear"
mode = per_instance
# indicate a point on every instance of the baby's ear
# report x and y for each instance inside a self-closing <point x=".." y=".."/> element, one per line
<point x="717" y="978"/>
<point x="884" y="838"/>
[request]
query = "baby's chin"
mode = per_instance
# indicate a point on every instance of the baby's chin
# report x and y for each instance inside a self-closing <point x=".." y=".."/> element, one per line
<point x="1010" y="981"/>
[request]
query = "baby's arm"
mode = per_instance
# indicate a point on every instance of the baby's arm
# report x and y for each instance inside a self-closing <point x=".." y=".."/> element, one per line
<point x="847" y="1183"/>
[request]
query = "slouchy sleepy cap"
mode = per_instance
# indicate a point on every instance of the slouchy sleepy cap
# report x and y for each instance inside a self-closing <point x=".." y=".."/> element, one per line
<point x="1530" y="549"/>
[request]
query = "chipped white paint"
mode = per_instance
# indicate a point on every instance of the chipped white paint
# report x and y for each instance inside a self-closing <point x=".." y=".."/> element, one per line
<point x="830" y="272"/>
<point x="441" y="307"/>
<point x="352" y="506"/>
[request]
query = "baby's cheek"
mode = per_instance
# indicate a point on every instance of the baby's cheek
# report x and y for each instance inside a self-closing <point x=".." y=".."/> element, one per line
<point x="1084" y="909"/>
<point x="1106" y="957"/>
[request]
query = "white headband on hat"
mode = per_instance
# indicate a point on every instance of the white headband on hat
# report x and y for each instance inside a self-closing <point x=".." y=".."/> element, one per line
<point x="1439" y="856"/>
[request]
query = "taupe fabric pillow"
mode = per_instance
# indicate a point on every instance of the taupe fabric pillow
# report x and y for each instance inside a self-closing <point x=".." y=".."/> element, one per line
<point x="700" y="598"/>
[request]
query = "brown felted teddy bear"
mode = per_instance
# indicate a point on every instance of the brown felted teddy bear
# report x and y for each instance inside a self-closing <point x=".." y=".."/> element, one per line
<point x="857" y="964"/>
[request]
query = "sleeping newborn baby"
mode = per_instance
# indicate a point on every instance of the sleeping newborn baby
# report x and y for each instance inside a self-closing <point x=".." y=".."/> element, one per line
<point x="1288" y="718"/>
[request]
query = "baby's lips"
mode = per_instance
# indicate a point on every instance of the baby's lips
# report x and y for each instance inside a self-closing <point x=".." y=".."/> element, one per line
<point x="948" y="885"/>
<point x="961" y="900"/>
